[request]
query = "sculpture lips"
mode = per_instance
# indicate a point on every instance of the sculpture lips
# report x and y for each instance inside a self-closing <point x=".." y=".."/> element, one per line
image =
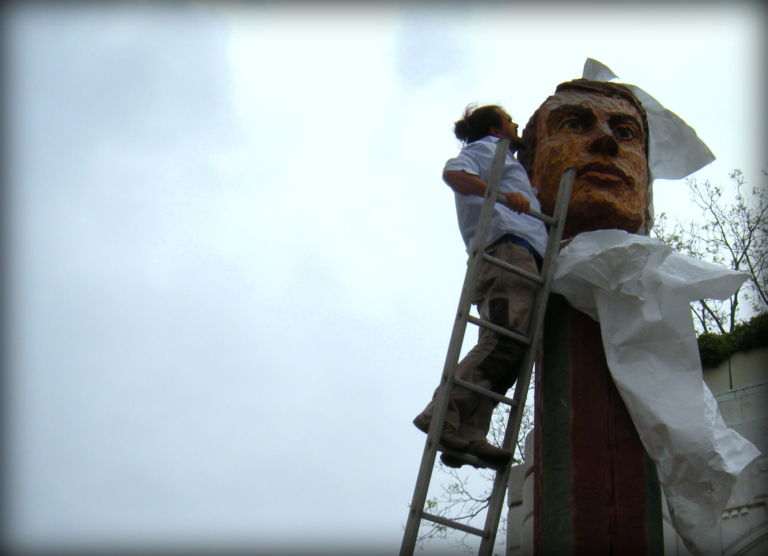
<point x="603" y="174"/>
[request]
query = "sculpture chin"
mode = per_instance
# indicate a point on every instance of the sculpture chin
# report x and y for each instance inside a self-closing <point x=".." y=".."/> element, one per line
<point x="600" y="208"/>
<point x="600" y="214"/>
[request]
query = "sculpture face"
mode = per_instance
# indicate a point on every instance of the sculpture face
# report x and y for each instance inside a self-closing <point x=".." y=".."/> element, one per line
<point x="603" y="138"/>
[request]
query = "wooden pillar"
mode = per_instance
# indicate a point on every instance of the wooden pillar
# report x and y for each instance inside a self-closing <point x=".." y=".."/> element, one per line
<point x="595" y="491"/>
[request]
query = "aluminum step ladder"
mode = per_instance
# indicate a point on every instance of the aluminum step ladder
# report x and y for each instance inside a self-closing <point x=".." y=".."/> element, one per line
<point x="448" y="380"/>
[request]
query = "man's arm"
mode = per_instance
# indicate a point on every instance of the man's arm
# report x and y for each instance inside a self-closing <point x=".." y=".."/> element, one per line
<point x="469" y="184"/>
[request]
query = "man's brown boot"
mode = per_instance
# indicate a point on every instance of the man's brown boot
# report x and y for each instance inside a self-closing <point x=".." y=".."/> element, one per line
<point x="489" y="452"/>
<point x="449" y="438"/>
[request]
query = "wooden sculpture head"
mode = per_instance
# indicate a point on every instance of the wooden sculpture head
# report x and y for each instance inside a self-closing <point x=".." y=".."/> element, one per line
<point x="600" y="129"/>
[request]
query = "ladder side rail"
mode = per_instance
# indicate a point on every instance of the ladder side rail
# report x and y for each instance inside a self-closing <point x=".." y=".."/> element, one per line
<point x="493" y="511"/>
<point x="498" y="492"/>
<point x="477" y="247"/>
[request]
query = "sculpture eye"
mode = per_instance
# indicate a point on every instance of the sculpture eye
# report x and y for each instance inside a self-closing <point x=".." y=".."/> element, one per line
<point x="624" y="132"/>
<point x="572" y="123"/>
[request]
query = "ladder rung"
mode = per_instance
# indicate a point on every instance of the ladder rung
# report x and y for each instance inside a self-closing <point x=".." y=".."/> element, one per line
<point x="500" y="329"/>
<point x="536" y="214"/>
<point x="453" y="524"/>
<point x="519" y="271"/>
<point x="543" y="217"/>
<point x="480" y="390"/>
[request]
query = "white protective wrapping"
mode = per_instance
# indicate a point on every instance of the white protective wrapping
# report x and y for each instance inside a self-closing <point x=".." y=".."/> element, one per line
<point x="639" y="290"/>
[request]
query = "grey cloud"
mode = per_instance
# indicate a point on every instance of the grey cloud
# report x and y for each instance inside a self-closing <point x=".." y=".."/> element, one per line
<point x="87" y="75"/>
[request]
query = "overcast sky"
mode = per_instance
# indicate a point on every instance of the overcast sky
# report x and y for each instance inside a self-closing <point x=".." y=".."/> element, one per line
<point x="233" y="266"/>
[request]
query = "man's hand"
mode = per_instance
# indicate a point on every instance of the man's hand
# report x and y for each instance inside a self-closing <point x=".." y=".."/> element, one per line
<point x="516" y="201"/>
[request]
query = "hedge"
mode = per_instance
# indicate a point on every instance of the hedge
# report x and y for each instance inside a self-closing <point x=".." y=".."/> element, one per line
<point x="716" y="348"/>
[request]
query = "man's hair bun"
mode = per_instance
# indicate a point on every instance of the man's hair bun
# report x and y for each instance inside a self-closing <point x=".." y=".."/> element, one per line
<point x="477" y="122"/>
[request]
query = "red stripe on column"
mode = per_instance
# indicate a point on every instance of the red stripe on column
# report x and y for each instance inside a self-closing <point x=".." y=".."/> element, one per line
<point x="591" y="451"/>
<point x="608" y="458"/>
<point x="630" y="494"/>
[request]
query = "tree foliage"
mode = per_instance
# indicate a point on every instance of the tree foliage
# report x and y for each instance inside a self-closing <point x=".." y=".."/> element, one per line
<point x="733" y="233"/>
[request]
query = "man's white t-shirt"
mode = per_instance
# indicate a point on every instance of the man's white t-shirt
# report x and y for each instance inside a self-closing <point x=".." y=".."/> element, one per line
<point x="476" y="158"/>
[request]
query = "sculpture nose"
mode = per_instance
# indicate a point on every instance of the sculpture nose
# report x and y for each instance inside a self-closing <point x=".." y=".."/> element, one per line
<point x="605" y="144"/>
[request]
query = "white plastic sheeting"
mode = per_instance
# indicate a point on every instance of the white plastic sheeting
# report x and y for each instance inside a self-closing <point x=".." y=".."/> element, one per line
<point x="639" y="290"/>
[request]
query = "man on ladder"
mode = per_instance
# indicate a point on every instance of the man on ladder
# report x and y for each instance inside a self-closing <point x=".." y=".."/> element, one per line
<point x="502" y="298"/>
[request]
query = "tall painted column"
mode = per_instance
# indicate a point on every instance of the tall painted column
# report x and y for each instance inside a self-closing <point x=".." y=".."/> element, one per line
<point x="595" y="490"/>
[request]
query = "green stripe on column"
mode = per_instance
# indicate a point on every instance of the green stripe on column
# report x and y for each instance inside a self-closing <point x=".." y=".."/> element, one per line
<point x="553" y="500"/>
<point x="654" y="527"/>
